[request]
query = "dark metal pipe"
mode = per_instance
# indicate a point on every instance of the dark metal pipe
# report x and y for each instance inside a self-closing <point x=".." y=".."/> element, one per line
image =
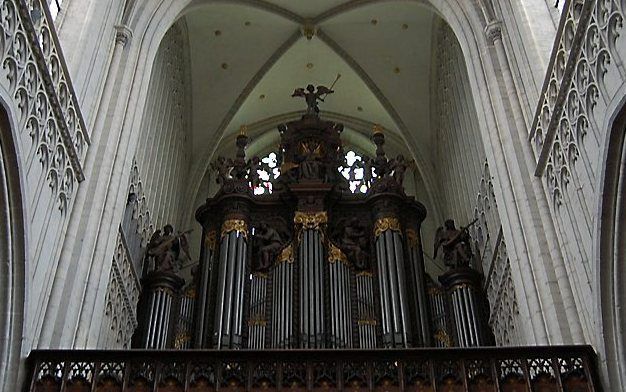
<point x="302" y="289"/>
<point x="159" y="319"/>
<point x="230" y="282"/>
<point x="311" y="295"/>
<point x="404" y="308"/>
<point x="150" y="321"/>
<point x="473" y="316"/>
<point x="461" y="320"/>
<point x="340" y="308"/>
<point x="159" y="326"/>
<point x="334" y="312"/>
<point x="290" y="267"/>
<point x="237" y="289"/>
<point x="310" y="290"/>
<point x="340" y="303"/>
<point x="393" y="284"/>
<point x="382" y="280"/>
<point x="283" y="304"/>
<point x="166" y="319"/>
<point x="221" y="286"/>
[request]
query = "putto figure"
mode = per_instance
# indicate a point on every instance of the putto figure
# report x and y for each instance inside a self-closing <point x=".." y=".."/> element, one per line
<point x="311" y="96"/>
<point x="457" y="251"/>
<point x="268" y="243"/>
<point x="168" y="251"/>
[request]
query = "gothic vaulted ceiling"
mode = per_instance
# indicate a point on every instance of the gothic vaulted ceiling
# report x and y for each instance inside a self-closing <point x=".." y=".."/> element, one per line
<point x="248" y="56"/>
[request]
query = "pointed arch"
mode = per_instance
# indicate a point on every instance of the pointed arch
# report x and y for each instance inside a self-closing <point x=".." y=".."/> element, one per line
<point x="12" y="257"/>
<point x="610" y="266"/>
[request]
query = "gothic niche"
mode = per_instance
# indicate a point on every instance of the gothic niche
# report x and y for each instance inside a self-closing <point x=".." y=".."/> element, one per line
<point x="302" y="249"/>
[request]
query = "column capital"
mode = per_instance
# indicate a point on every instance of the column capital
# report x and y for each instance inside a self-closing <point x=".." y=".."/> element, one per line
<point x="493" y="31"/>
<point x="122" y="34"/>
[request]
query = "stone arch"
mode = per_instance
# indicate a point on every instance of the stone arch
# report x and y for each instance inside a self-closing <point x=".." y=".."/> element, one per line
<point x="151" y="20"/>
<point x="12" y="255"/>
<point x="610" y="282"/>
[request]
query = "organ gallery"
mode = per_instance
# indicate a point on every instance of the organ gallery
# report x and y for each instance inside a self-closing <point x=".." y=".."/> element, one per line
<point x="312" y="265"/>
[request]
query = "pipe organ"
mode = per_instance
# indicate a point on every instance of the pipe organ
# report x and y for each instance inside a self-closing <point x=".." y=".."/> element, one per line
<point x="312" y="265"/>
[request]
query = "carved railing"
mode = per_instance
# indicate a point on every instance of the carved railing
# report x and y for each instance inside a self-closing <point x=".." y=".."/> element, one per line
<point x="574" y="88"/>
<point x="559" y="368"/>
<point x="46" y="108"/>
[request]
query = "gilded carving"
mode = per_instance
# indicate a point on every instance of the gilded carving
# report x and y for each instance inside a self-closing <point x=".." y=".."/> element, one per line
<point x="257" y="322"/>
<point x="180" y="340"/>
<point x="238" y="225"/>
<point x="383" y="224"/>
<point x="335" y="254"/>
<point x="286" y="255"/>
<point x="310" y="220"/>
<point x="210" y="240"/>
<point x="443" y="337"/>
<point x="367" y="322"/>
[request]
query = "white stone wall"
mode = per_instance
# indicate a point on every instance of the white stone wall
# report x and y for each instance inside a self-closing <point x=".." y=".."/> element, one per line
<point x="584" y="84"/>
<point x="466" y="184"/>
<point x="459" y="150"/>
<point x="163" y="153"/>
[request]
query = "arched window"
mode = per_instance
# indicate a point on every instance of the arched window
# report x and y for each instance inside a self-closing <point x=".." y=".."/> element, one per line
<point x="269" y="172"/>
<point x="353" y="170"/>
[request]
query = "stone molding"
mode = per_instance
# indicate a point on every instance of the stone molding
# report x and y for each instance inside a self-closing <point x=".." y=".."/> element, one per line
<point x="574" y="86"/>
<point x="47" y="108"/>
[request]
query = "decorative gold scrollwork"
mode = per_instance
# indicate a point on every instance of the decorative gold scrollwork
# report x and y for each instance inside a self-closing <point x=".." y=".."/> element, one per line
<point x="210" y="240"/>
<point x="367" y="322"/>
<point x="180" y="340"/>
<point x="411" y="238"/>
<point x="257" y="322"/>
<point x="383" y="224"/>
<point x="443" y="337"/>
<point x="286" y="255"/>
<point x="191" y="292"/>
<point x="336" y="254"/>
<point x="365" y="273"/>
<point x="237" y="225"/>
<point x="310" y="220"/>
<point x="435" y="291"/>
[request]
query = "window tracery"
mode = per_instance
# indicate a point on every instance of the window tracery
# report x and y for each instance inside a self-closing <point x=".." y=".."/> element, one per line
<point x="353" y="170"/>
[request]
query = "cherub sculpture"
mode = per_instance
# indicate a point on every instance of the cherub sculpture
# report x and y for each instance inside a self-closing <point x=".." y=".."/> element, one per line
<point x="355" y="244"/>
<point x="311" y="96"/>
<point x="268" y="243"/>
<point x="168" y="250"/>
<point x="457" y="251"/>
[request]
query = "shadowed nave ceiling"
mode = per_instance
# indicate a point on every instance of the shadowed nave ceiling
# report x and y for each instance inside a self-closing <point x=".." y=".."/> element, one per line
<point x="248" y="56"/>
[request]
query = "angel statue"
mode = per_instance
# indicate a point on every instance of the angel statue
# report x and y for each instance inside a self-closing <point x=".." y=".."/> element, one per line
<point x="268" y="243"/>
<point x="311" y="97"/>
<point x="168" y="250"/>
<point x="456" y="244"/>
